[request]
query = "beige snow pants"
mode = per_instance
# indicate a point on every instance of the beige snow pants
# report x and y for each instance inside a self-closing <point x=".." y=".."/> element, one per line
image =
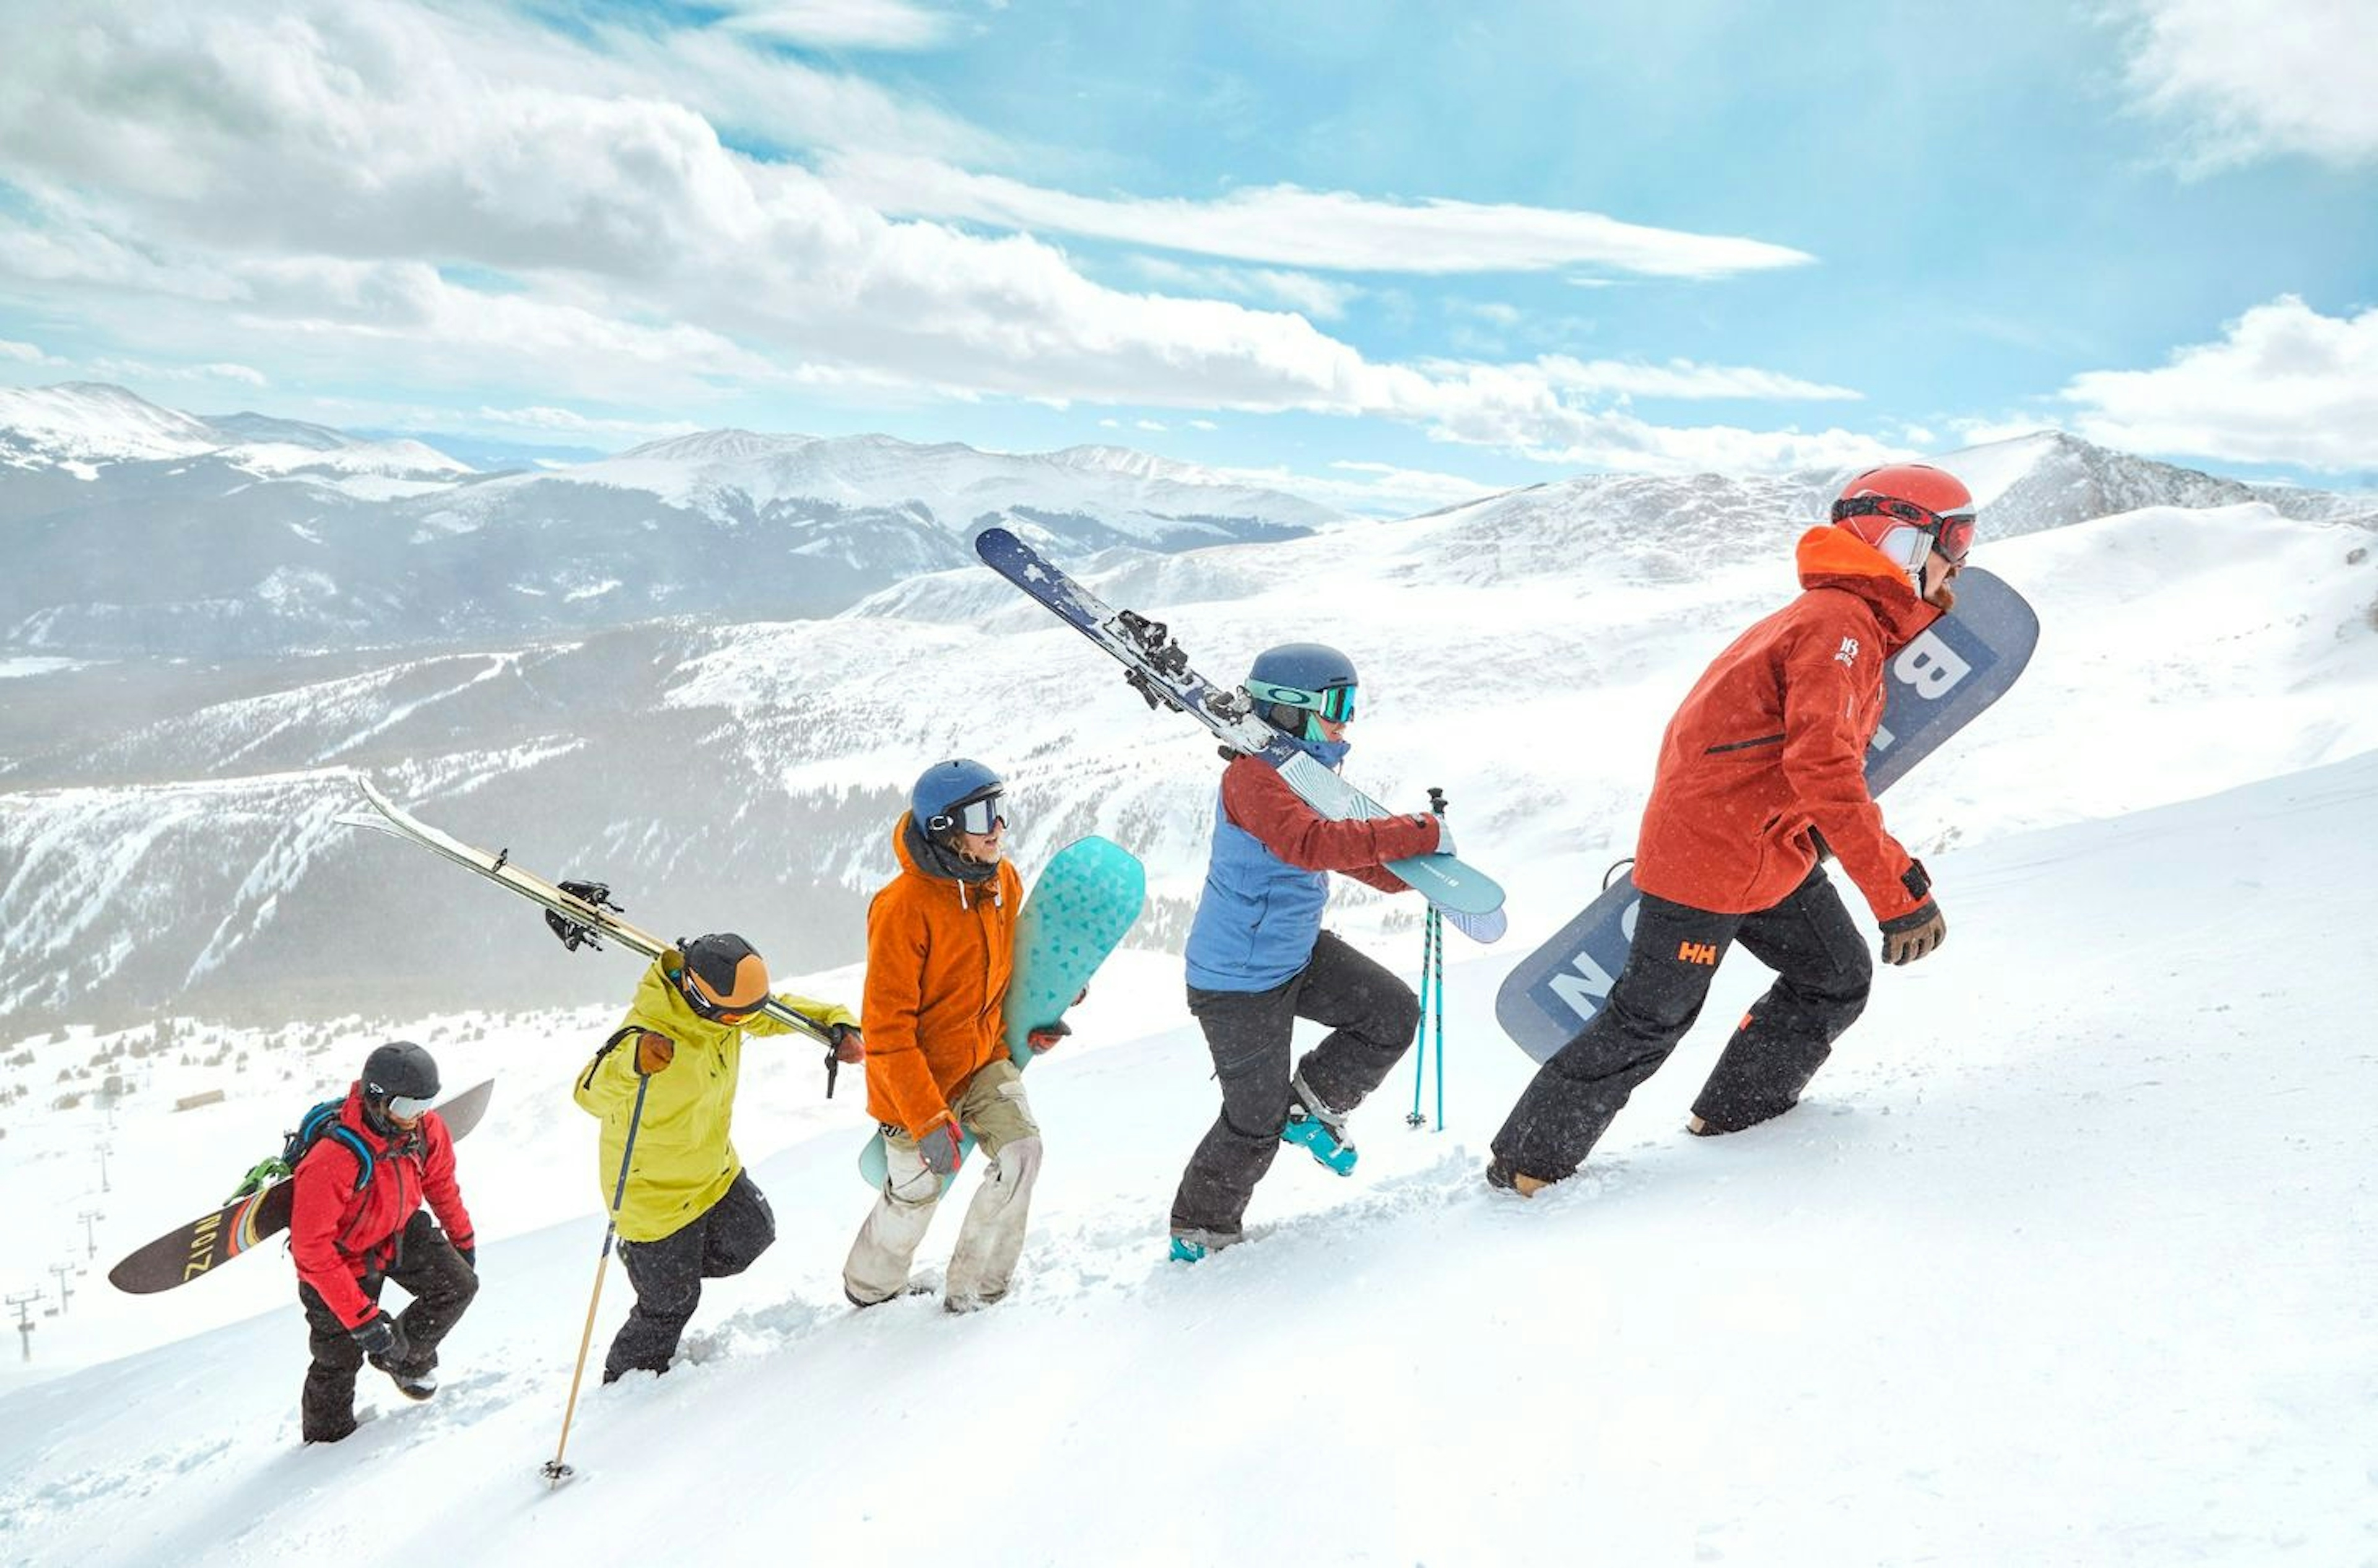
<point x="993" y="1108"/>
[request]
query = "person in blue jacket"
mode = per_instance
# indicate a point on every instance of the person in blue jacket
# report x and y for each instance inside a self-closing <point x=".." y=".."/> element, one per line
<point x="1259" y="960"/>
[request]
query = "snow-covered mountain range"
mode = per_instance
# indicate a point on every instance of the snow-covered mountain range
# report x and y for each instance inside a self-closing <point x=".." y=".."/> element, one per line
<point x="169" y="830"/>
<point x="136" y="530"/>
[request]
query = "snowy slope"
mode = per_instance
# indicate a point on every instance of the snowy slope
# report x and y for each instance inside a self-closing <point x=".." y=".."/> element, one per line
<point x="2065" y="1261"/>
<point x="78" y="424"/>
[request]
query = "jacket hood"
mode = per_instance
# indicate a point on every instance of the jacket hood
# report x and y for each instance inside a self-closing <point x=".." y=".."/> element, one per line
<point x="359" y="1121"/>
<point x="919" y="856"/>
<point x="662" y="1007"/>
<point x="1829" y="557"/>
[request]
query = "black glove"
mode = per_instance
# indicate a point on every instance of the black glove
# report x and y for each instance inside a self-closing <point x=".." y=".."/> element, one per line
<point x="382" y="1342"/>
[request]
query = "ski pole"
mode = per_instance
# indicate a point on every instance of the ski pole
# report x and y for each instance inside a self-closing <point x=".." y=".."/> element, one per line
<point x="1432" y="999"/>
<point x="1436" y="942"/>
<point x="554" y="1470"/>
<point x="1431" y="990"/>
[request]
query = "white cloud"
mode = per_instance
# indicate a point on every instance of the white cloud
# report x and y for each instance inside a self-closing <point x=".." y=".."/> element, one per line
<point x="1319" y="299"/>
<point x="26" y="353"/>
<point x="2284" y="385"/>
<point x="1203" y="425"/>
<point x="117" y="369"/>
<point x="841" y="24"/>
<point x="1679" y="378"/>
<point x="570" y="421"/>
<point x="1334" y="231"/>
<point x="2253" y="81"/>
<point x="333" y="174"/>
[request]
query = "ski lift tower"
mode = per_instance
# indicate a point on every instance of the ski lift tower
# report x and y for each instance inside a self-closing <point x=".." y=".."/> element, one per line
<point x="23" y="1302"/>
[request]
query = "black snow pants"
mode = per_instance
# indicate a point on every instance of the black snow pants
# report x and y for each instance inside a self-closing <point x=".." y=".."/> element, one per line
<point x="1370" y="1016"/>
<point x="725" y="1238"/>
<point x="1822" y="974"/>
<point x="442" y="1286"/>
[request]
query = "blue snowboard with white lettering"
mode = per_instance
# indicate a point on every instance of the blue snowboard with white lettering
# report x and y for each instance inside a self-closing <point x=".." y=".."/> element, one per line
<point x="1935" y="686"/>
<point x="1085" y="901"/>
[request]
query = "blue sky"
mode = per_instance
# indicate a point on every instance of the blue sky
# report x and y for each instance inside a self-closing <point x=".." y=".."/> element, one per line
<point x="1392" y="253"/>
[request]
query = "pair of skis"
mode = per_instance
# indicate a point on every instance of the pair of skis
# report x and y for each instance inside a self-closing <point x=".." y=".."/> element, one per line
<point x="1157" y="668"/>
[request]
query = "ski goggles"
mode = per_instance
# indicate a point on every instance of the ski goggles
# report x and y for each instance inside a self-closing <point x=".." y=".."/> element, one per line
<point x="406" y="1107"/>
<point x="978" y="817"/>
<point x="716" y="1011"/>
<point x="1336" y="703"/>
<point x="1952" y="534"/>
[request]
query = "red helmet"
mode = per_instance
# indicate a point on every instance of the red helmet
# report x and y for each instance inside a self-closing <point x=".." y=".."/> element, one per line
<point x="1907" y="510"/>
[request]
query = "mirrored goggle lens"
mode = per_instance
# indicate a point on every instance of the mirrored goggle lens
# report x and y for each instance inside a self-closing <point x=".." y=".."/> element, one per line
<point x="1337" y="704"/>
<point x="1956" y="536"/>
<point x="981" y="816"/>
<point x="405" y="1108"/>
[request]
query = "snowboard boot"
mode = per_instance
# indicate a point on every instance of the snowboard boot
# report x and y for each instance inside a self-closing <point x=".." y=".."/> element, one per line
<point x="413" y="1382"/>
<point x="914" y="1287"/>
<point x="1316" y="1127"/>
<point x="1192" y="1246"/>
<point x="1503" y="1179"/>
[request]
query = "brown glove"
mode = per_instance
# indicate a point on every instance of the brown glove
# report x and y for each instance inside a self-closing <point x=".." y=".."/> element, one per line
<point x="849" y="1044"/>
<point x="1915" y="934"/>
<point x="654" y="1052"/>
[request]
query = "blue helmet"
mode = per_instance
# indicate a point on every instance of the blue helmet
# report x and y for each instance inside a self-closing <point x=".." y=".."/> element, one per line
<point x="1297" y="684"/>
<point x="958" y="794"/>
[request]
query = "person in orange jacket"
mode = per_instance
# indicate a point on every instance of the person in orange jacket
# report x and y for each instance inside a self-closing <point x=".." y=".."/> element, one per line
<point x="356" y="1222"/>
<point x="940" y="948"/>
<point x="1761" y="776"/>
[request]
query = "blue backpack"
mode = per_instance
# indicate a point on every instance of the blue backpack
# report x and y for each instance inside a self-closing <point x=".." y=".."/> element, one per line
<point x="315" y="1125"/>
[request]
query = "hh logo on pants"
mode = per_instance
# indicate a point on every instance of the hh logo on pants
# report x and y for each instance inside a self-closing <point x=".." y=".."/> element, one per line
<point x="1697" y="953"/>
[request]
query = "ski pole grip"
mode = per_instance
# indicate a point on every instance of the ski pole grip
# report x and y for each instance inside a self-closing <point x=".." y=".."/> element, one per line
<point x="1437" y="800"/>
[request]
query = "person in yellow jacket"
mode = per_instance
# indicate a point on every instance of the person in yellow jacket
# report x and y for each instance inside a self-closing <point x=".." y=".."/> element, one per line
<point x="941" y="948"/>
<point x="689" y="1212"/>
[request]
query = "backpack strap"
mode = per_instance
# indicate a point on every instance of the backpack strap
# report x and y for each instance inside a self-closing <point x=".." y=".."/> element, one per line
<point x="323" y="1122"/>
<point x="625" y="1031"/>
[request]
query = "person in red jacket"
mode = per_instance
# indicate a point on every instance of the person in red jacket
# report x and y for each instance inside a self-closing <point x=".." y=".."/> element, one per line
<point x="357" y="1222"/>
<point x="1761" y="775"/>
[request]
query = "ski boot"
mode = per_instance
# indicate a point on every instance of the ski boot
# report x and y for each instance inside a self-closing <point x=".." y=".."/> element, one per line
<point x="1194" y="1246"/>
<point x="1318" y="1130"/>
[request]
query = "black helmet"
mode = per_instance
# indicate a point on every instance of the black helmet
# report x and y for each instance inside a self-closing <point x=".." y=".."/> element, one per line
<point x="399" y="1069"/>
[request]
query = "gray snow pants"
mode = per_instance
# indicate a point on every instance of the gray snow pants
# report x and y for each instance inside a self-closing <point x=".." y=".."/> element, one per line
<point x="1371" y="1015"/>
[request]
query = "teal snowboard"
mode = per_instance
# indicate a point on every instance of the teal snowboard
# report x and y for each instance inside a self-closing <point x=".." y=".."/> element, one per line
<point x="1086" y="898"/>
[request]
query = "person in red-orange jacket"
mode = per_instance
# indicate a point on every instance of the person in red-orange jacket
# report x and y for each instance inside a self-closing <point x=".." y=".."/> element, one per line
<point x="357" y="1221"/>
<point x="1762" y="773"/>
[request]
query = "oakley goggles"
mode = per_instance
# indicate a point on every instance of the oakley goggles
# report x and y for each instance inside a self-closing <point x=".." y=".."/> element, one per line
<point x="1336" y="703"/>
<point x="1952" y="534"/>
<point x="406" y="1107"/>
